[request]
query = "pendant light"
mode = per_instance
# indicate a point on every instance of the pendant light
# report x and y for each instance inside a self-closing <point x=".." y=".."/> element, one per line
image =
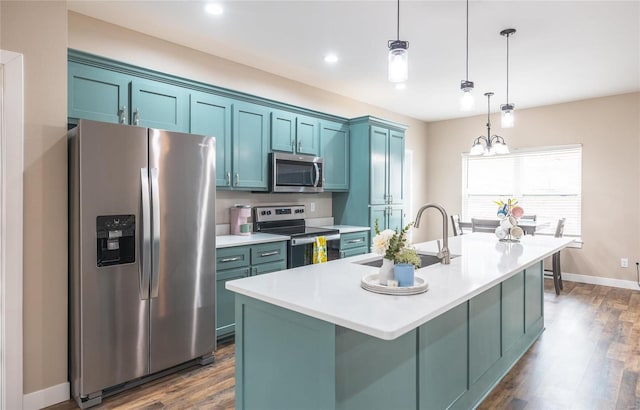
<point x="466" y="99"/>
<point x="398" y="56"/>
<point x="491" y="144"/>
<point x="507" y="109"/>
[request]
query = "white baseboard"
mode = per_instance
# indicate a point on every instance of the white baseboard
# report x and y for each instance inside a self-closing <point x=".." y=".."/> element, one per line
<point x="46" y="397"/>
<point x="598" y="280"/>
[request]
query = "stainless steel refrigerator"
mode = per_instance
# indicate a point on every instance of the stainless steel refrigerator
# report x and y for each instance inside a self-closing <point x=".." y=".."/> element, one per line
<point x="141" y="255"/>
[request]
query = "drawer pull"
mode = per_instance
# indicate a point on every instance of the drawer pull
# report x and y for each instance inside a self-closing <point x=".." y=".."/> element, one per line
<point x="235" y="258"/>
<point x="263" y="254"/>
<point x="355" y="240"/>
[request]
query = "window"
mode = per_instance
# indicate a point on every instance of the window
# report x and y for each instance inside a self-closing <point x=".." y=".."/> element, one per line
<point x="546" y="181"/>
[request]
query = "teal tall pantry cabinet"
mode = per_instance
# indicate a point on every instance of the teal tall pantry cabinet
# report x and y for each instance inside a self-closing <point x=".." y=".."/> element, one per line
<point x="376" y="174"/>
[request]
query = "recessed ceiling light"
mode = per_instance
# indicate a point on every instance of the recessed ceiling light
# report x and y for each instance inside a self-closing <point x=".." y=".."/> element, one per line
<point x="401" y="86"/>
<point x="331" y="58"/>
<point x="214" y="8"/>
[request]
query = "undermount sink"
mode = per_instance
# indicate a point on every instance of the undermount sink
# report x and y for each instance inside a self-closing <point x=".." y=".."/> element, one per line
<point x="425" y="260"/>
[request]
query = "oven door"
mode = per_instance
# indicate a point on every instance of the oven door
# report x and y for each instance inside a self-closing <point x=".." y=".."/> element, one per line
<point x="296" y="173"/>
<point x="301" y="250"/>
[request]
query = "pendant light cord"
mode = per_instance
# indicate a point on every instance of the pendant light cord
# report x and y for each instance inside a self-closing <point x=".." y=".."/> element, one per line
<point x="488" y="117"/>
<point x="467" y="78"/>
<point x="398" y="30"/>
<point x="508" y="68"/>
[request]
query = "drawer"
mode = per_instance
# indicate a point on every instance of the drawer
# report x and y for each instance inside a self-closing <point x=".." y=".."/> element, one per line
<point x="234" y="257"/>
<point x="354" y="240"/>
<point x="353" y="252"/>
<point x="268" y="267"/>
<point x="269" y="252"/>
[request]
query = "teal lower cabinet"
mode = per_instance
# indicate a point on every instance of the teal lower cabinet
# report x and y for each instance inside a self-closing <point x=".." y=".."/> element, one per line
<point x="287" y="360"/>
<point x="225" y="310"/>
<point x="388" y="216"/>
<point x="354" y="243"/>
<point x="239" y="262"/>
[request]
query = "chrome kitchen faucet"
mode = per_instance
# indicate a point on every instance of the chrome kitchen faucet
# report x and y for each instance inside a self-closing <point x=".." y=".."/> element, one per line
<point x="443" y="253"/>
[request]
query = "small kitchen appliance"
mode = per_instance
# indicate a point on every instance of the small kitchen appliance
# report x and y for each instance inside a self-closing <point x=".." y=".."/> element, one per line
<point x="239" y="217"/>
<point x="290" y="220"/>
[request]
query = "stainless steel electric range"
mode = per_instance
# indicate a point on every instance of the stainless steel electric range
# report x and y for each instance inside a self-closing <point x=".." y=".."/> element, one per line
<point x="290" y="220"/>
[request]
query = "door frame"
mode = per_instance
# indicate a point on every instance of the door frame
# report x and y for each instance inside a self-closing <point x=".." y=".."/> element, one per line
<point x="11" y="225"/>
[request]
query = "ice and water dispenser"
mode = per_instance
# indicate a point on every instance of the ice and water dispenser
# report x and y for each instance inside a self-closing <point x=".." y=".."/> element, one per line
<point x="116" y="239"/>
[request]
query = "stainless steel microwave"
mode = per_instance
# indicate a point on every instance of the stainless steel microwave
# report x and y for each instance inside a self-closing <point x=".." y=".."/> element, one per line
<point x="296" y="173"/>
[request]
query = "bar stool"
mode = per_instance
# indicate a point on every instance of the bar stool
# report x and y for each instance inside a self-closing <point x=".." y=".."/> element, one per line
<point x="555" y="270"/>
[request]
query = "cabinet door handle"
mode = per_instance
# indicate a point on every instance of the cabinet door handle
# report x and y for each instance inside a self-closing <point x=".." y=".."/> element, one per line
<point x="299" y="146"/>
<point x="341" y="254"/>
<point x="254" y="271"/>
<point x="293" y="145"/>
<point x="263" y="254"/>
<point x="136" y="117"/>
<point x="123" y="115"/>
<point x="355" y="240"/>
<point x="228" y="178"/>
<point x="237" y="178"/>
<point x="233" y="259"/>
<point x="390" y="199"/>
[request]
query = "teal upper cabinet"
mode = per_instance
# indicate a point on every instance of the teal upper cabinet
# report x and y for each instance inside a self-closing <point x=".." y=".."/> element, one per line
<point x="307" y="136"/>
<point x="97" y="94"/>
<point x="334" y="149"/>
<point x="211" y="115"/>
<point x="283" y="131"/>
<point x="379" y="165"/>
<point x="376" y="155"/>
<point x="292" y="133"/>
<point x="387" y="166"/>
<point x="250" y="146"/>
<point x="158" y="105"/>
<point x="395" y="170"/>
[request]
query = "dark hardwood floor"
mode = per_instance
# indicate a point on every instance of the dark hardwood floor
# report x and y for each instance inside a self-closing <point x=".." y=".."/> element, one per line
<point x="587" y="358"/>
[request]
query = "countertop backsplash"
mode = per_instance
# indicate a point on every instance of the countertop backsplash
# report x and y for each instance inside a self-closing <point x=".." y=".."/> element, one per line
<point x="225" y="229"/>
<point x="226" y="199"/>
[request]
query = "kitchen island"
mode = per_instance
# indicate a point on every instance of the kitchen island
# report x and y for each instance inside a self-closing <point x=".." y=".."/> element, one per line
<point x="312" y="338"/>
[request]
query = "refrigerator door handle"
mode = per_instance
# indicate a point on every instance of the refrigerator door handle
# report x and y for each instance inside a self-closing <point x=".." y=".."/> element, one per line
<point x="155" y="214"/>
<point x="145" y="249"/>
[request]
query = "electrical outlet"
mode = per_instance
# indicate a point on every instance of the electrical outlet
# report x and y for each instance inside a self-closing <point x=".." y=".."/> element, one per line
<point x="312" y="206"/>
<point x="624" y="263"/>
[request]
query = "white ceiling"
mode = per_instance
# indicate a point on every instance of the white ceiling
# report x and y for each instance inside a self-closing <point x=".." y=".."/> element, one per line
<point x="562" y="50"/>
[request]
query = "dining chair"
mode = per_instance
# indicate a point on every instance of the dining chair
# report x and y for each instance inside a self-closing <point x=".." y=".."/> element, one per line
<point x="556" y="271"/>
<point x="484" y="225"/>
<point x="455" y="225"/>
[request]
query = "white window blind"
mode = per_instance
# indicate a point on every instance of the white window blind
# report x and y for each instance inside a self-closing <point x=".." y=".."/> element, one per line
<point x="547" y="183"/>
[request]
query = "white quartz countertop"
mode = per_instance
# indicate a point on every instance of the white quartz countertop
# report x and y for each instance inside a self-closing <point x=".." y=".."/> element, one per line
<point x="331" y="291"/>
<point x="348" y="228"/>
<point x="226" y="241"/>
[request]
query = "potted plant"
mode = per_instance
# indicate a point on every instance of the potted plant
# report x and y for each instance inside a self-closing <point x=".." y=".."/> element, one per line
<point x="393" y="245"/>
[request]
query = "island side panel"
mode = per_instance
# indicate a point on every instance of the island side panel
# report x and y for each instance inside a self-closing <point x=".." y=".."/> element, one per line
<point x="284" y="360"/>
<point x="513" y="327"/>
<point x="534" y="297"/>
<point x="372" y="373"/>
<point x="484" y="332"/>
<point x="443" y="357"/>
<point x="531" y="302"/>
